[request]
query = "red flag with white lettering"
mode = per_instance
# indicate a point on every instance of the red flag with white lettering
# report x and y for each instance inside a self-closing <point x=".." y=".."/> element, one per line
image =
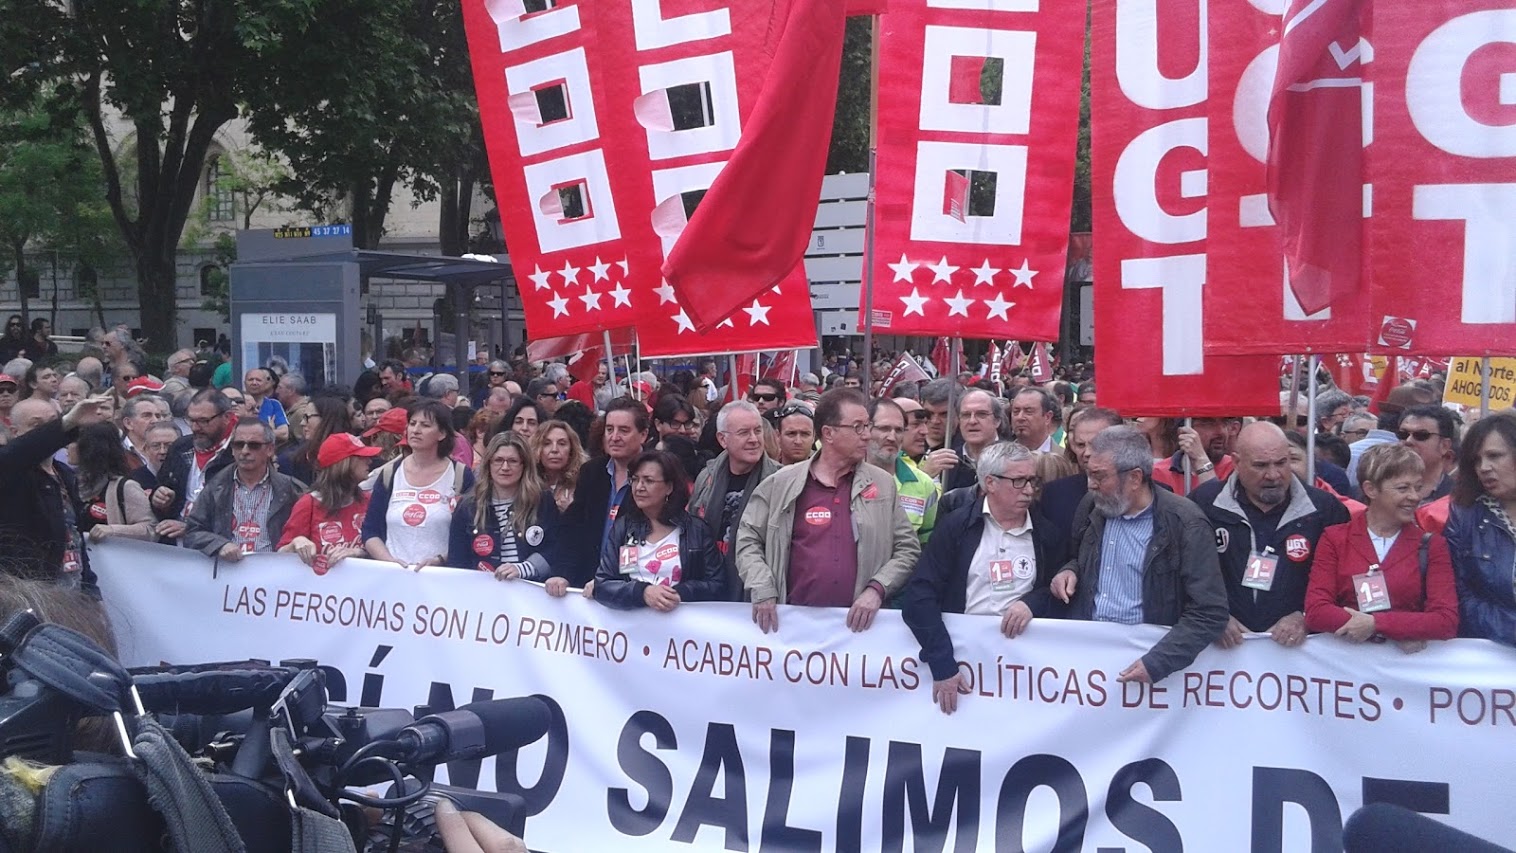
<point x="1308" y="171"/>
<point x="978" y="118"/>
<point x="905" y="370"/>
<point x="1150" y="260"/>
<point x="1042" y="363"/>
<point x="1442" y="242"/>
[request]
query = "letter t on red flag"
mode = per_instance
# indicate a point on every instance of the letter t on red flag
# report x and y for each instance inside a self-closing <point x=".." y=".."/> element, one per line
<point x="753" y="225"/>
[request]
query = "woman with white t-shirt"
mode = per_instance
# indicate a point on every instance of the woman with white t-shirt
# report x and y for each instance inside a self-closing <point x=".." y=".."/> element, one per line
<point x="413" y="500"/>
<point x="658" y="555"/>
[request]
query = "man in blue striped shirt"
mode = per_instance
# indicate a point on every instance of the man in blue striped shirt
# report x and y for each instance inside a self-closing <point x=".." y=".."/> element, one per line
<point x="1147" y="556"/>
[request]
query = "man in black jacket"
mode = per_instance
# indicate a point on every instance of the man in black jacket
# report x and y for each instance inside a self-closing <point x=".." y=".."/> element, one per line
<point x="38" y="531"/>
<point x="603" y="486"/>
<point x="994" y="557"/>
<point x="193" y="460"/>
<point x="1147" y="556"/>
<point x="1267" y="524"/>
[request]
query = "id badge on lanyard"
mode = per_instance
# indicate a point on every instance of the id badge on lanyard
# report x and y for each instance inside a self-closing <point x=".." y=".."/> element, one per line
<point x="1260" y="570"/>
<point x="1372" y="591"/>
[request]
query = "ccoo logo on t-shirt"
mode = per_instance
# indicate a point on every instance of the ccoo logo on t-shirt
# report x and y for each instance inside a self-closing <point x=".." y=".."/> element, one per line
<point x="818" y="516"/>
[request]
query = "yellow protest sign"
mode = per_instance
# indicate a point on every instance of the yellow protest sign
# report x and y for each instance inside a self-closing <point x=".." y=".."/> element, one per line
<point x="1463" y="382"/>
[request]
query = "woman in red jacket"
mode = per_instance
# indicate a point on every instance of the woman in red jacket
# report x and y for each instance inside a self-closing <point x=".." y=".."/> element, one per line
<point x="1368" y="580"/>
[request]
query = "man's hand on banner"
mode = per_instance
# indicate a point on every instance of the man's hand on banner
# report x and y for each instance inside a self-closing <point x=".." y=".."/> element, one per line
<point x="1017" y="617"/>
<point x="660" y="598"/>
<point x="170" y="528"/>
<point x="860" y="617"/>
<point x="945" y="692"/>
<point x="1289" y="631"/>
<point x="230" y="552"/>
<point x="556" y="587"/>
<point x="766" y="615"/>
<point x="1232" y="637"/>
<point x="1137" y="672"/>
<point x="1064" y="584"/>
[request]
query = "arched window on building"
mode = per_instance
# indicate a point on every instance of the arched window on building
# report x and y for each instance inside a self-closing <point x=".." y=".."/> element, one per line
<point x="220" y="203"/>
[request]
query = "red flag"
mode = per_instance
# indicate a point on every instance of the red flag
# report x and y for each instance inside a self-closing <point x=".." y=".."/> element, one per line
<point x="972" y="198"/>
<point x="1042" y="363"/>
<point x="993" y="364"/>
<point x="1387" y="382"/>
<point x="752" y="228"/>
<point x="940" y="357"/>
<point x="783" y="366"/>
<point x="1148" y="167"/>
<point x="905" y="370"/>
<point x="1012" y="358"/>
<point x="1315" y="166"/>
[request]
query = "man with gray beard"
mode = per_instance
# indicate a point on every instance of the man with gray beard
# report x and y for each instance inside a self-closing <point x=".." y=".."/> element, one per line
<point x="1148" y="556"/>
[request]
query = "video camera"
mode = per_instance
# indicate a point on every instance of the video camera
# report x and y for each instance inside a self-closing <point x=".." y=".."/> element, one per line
<point x="242" y="749"/>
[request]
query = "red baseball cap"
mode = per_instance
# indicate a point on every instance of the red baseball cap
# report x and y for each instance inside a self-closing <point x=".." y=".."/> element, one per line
<point x="339" y="446"/>
<point x="142" y="384"/>
<point x="393" y="420"/>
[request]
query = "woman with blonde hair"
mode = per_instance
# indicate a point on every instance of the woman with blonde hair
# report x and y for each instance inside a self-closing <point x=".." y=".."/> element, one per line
<point x="559" y="455"/>
<point x="508" y="525"/>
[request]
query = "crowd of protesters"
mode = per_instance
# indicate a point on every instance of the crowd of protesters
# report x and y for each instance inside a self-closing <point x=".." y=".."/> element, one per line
<point x="958" y="495"/>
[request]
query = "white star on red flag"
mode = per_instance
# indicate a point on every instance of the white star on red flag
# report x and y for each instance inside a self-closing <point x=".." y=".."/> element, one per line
<point x="559" y="305"/>
<point x="621" y="295"/>
<point x="903" y="269"/>
<point x="998" y="306"/>
<point x="570" y="273"/>
<point x="540" y="278"/>
<point x="757" y="314"/>
<point x="957" y="305"/>
<point x="683" y="320"/>
<point x="591" y="300"/>
<point x="942" y="271"/>
<point x="665" y="293"/>
<point x="600" y="269"/>
<point x="984" y="273"/>
<point x="914" y="303"/>
<point x="1023" y="275"/>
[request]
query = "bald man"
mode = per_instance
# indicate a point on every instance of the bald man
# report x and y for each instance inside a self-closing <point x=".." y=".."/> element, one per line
<point x="37" y="522"/>
<point x="1267" y="524"/>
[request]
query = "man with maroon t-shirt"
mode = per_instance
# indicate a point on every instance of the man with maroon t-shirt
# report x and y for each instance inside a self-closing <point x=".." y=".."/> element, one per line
<point x="827" y="532"/>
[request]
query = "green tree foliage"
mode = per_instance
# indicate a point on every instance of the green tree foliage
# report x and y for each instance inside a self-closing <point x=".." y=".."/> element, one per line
<point x="850" y="124"/>
<point x="50" y="192"/>
<point x="175" y="71"/>
<point x="386" y="100"/>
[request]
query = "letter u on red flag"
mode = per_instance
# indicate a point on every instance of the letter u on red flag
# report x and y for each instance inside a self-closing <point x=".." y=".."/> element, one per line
<point x="1315" y="160"/>
<point x="753" y="225"/>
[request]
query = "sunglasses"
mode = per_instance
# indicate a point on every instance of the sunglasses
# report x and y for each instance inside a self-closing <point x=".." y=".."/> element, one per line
<point x="763" y="398"/>
<point x="1417" y="434"/>
<point x="249" y="445"/>
<point x="794" y="409"/>
<point x="498" y="373"/>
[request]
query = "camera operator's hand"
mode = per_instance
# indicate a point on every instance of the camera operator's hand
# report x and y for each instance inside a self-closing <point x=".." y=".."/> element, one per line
<point x="467" y="832"/>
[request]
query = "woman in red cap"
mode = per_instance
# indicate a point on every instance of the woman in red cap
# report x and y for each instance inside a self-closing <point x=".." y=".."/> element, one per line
<point x="325" y="524"/>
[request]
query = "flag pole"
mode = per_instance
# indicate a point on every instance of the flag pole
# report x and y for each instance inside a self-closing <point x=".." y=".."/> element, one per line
<point x="1484" y="386"/>
<point x="1189" y="475"/>
<point x="868" y="224"/>
<point x="1310" y="423"/>
<point x="731" y="369"/>
<point x="610" y="367"/>
<point x="952" y="407"/>
<point x="1287" y="404"/>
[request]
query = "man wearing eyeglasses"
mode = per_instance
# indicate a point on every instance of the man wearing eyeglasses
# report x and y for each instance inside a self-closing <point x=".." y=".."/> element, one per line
<point x="767" y="394"/>
<point x="242" y="510"/>
<point x="193" y="461"/>
<point x="544" y="392"/>
<point x="723" y="488"/>
<point x="981" y="422"/>
<point x="918" y="492"/>
<point x="673" y="415"/>
<point x="1147" y="556"/>
<point x="828" y="532"/>
<point x="180" y="362"/>
<point x="1267" y="523"/>
<point x="994" y="557"/>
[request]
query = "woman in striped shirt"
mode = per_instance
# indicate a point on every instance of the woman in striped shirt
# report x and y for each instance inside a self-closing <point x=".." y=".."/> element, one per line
<point x="509" y="525"/>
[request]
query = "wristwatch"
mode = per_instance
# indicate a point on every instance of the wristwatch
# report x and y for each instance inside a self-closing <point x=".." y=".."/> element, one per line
<point x="1209" y="466"/>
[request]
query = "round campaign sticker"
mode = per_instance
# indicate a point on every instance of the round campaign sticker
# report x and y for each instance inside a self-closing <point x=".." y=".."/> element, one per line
<point x="818" y="516"/>
<point x="429" y="497"/>
<point x="414" y="515"/>
<point x="1022" y="569"/>
<point x="321" y="564"/>
<point x="484" y="544"/>
<point x="534" y="536"/>
<point x="1396" y="332"/>
<point x="1297" y="547"/>
<point x="330" y="532"/>
<point x="667" y="551"/>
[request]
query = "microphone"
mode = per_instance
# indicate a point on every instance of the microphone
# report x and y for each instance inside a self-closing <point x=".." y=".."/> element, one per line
<point x="1386" y="828"/>
<point x="476" y="730"/>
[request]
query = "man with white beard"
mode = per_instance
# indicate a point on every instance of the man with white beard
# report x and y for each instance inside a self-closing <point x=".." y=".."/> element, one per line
<point x="1147" y="556"/>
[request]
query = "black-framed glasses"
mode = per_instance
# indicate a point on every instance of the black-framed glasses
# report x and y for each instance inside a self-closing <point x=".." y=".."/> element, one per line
<point x="1021" y="482"/>
<point x="682" y="426"/>
<point x="861" y="428"/>
<point x="1417" y="434"/>
<point x="249" y="445"/>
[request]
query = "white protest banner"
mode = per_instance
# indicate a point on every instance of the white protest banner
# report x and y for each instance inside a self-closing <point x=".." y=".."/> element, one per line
<point x="694" y="729"/>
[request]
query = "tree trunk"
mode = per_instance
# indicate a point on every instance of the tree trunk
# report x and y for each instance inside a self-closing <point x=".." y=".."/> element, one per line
<point x="19" y="248"/>
<point x="456" y="202"/>
<point x="157" y="284"/>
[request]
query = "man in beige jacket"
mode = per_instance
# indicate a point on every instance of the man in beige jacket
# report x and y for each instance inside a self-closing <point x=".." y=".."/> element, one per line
<point x="827" y="532"/>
